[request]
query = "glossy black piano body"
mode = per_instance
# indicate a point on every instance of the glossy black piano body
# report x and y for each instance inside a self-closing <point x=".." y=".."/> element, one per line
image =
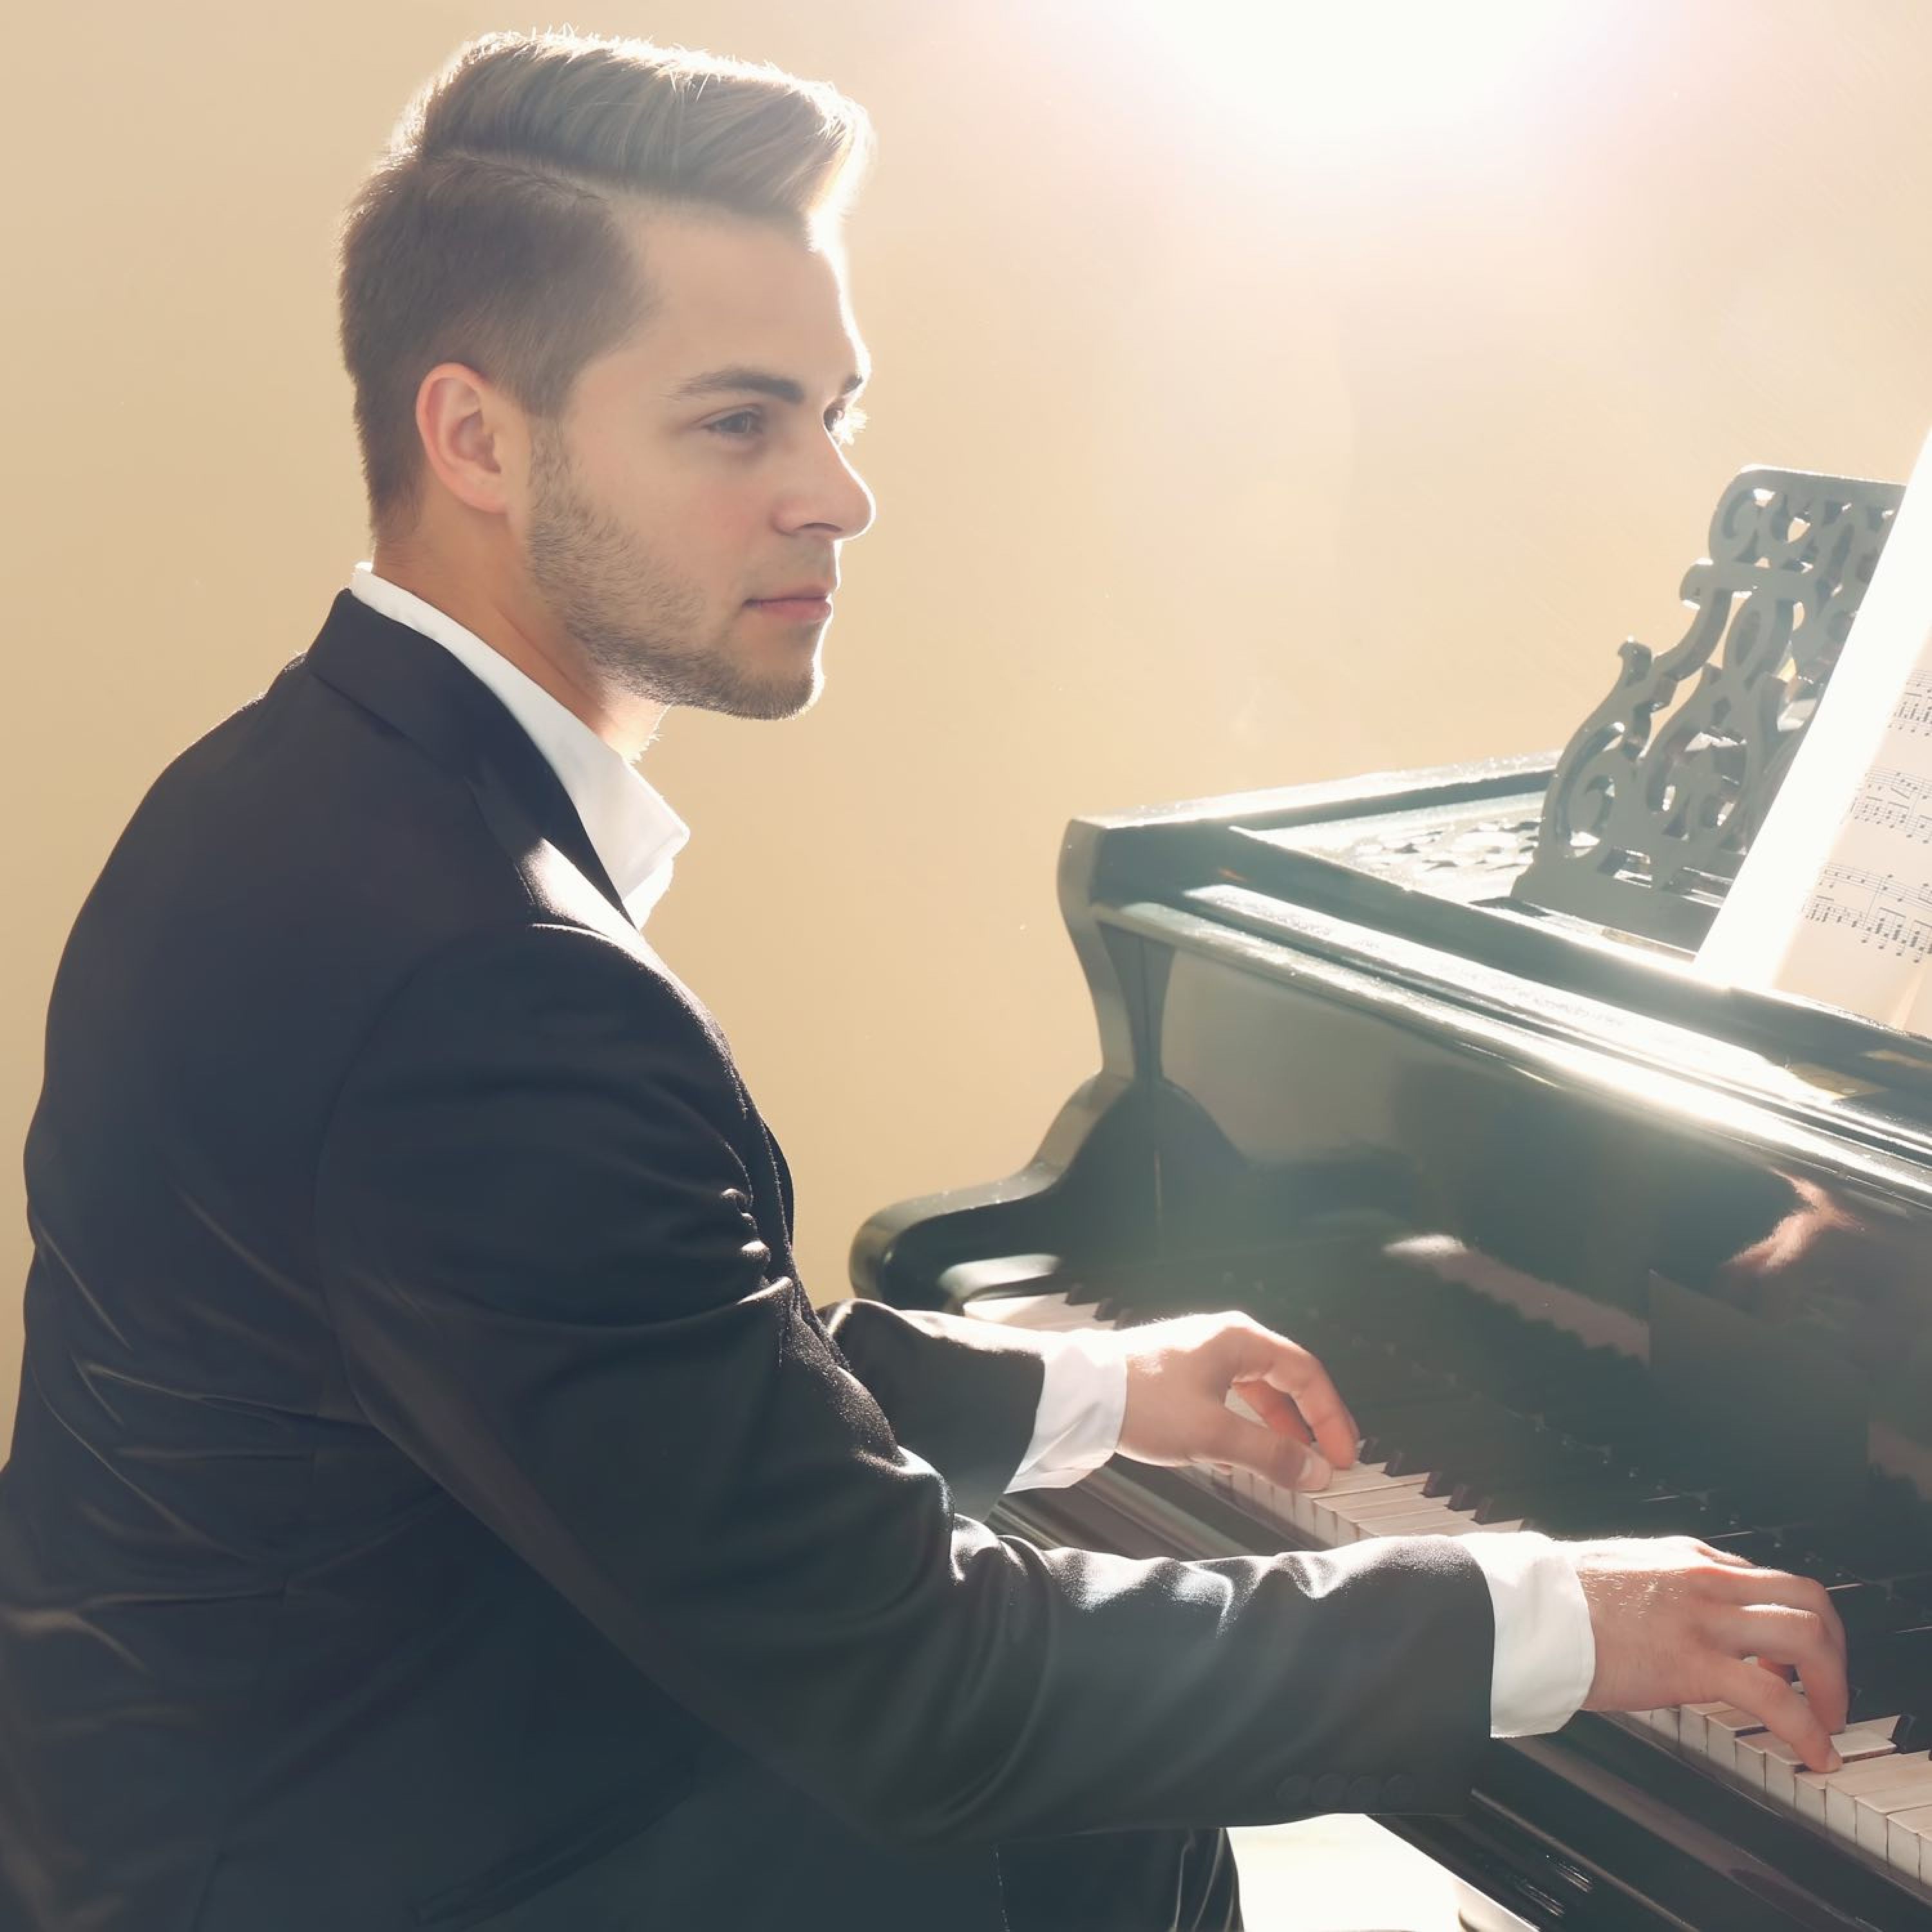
<point x="1607" y="1247"/>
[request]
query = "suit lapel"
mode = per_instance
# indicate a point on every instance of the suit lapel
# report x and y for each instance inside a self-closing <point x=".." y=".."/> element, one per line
<point x="417" y="688"/>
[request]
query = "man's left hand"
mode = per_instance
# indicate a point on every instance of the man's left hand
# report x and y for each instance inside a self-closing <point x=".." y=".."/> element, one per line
<point x="1180" y="1374"/>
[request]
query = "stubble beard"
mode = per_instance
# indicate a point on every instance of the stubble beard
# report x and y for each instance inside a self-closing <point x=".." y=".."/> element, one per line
<point x="639" y="627"/>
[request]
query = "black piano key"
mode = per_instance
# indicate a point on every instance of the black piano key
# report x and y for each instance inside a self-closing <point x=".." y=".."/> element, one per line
<point x="1491" y="1454"/>
<point x="1892" y="1673"/>
<point x="1679" y="1513"/>
<point x="1518" y="1456"/>
<point x="1914" y="1588"/>
<point x="1807" y="1548"/>
<point x="1571" y="1502"/>
<point x="1866" y="1611"/>
<point x="1866" y="1541"/>
<point x="1369" y="1377"/>
<point x="1913" y="1732"/>
<point x="1422" y="1435"/>
<point x="1582" y="1514"/>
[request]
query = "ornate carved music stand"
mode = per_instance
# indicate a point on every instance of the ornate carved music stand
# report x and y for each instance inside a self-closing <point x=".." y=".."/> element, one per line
<point x="1645" y="823"/>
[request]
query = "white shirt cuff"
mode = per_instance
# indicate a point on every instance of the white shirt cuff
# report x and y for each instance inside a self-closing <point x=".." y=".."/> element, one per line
<point x="1082" y="1401"/>
<point x="1546" y="1652"/>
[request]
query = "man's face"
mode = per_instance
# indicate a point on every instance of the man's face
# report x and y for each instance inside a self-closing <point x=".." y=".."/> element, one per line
<point x="684" y="514"/>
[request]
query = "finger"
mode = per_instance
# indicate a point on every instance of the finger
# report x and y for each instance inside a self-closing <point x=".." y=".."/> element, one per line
<point x="1234" y="1444"/>
<point x="1792" y="1621"/>
<point x="1798" y="1593"/>
<point x="1265" y="1357"/>
<point x="1270" y="1406"/>
<point x="1776" y="1706"/>
<point x="1819" y="1664"/>
<point x="1782" y="1637"/>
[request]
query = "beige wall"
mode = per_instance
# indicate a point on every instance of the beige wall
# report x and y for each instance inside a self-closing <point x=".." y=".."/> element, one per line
<point x="1231" y="429"/>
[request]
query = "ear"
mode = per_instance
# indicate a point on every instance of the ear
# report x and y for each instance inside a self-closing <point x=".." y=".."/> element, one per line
<point x="473" y="437"/>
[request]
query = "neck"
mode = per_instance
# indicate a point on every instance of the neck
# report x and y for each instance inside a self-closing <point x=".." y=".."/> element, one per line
<point x="519" y="633"/>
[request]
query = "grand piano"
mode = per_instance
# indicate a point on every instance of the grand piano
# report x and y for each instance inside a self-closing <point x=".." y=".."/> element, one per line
<point x="1416" y="1069"/>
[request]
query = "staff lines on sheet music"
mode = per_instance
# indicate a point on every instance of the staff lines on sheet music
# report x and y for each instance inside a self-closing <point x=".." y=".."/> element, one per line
<point x="1895" y="800"/>
<point x="1885" y="911"/>
<point x="1913" y="711"/>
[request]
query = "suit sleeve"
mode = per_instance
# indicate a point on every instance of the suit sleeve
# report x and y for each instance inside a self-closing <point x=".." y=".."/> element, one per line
<point x="535" y="1233"/>
<point x="964" y="1395"/>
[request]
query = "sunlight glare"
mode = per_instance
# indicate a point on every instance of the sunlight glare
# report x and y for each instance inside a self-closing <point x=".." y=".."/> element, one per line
<point x="1356" y="75"/>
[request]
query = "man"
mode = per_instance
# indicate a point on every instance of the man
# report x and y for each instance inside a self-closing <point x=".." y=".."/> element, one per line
<point x="434" y="1501"/>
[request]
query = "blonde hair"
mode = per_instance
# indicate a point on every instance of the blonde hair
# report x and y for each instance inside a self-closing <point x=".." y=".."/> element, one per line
<point x="488" y="233"/>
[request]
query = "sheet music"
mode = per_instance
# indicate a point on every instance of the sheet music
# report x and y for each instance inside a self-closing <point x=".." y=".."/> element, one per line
<point x="1912" y="713"/>
<point x="1833" y="901"/>
<point x="1898" y="800"/>
<point x="1891" y="914"/>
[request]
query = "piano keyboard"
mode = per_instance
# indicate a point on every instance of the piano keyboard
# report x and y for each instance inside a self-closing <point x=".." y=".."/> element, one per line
<point x="1878" y="1803"/>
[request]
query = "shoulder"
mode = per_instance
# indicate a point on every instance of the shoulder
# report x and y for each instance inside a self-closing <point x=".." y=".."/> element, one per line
<point x="563" y="978"/>
<point x="535" y="1000"/>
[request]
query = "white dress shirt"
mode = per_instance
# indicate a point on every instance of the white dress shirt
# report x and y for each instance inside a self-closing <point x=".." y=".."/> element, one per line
<point x="1545" y="1654"/>
<point x="635" y="833"/>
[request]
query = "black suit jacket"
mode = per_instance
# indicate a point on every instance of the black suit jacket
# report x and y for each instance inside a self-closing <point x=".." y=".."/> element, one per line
<point x="435" y="1503"/>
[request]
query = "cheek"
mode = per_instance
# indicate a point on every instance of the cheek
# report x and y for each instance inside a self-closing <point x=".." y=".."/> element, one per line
<point x="691" y="521"/>
<point x="717" y="526"/>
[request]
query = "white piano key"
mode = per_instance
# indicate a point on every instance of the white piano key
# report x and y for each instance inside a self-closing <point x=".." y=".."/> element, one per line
<point x="1908" y="1842"/>
<point x="1339" y="1530"/>
<point x="1867" y="1773"/>
<point x="1780" y="1766"/>
<point x="1283" y="1506"/>
<point x="1301" y="1506"/>
<point x="1749" y="1753"/>
<point x="1389" y="1498"/>
<point x="1874" y="1811"/>
<point x="1767" y="1763"/>
<point x="1722" y="1727"/>
<point x="1427" y="1518"/>
<point x="1360" y="1477"/>
<point x="1843" y="1788"/>
<point x="1811" y="1786"/>
<point x="1339" y="1519"/>
<point x="1870" y="1738"/>
<point x="1690" y="1725"/>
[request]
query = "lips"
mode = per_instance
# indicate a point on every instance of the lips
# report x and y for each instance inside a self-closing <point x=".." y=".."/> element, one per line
<point x="802" y="593"/>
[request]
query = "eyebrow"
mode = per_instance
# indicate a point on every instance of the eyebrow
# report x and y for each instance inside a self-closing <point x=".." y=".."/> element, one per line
<point x="738" y="381"/>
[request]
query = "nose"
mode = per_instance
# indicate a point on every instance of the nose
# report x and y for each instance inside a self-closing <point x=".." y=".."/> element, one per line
<point x="831" y="498"/>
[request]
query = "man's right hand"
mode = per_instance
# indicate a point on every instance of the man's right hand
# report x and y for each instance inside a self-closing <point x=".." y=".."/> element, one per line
<point x="1677" y="1622"/>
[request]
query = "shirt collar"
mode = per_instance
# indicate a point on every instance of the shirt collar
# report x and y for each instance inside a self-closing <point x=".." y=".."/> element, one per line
<point x="635" y="833"/>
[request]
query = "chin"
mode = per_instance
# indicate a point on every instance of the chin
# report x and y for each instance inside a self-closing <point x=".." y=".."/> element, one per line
<point x="770" y="700"/>
<point x="800" y="699"/>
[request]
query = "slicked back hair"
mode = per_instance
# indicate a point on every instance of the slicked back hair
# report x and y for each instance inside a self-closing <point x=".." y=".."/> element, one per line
<point x="489" y="232"/>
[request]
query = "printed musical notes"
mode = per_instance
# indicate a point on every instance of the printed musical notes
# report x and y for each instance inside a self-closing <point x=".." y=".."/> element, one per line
<point x="1896" y="799"/>
<point x="1912" y="713"/>
<point x="1881" y="909"/>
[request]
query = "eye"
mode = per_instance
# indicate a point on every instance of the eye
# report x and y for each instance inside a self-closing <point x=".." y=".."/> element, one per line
<point x="844" y="423"/>
<point x="740" y="425"/>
